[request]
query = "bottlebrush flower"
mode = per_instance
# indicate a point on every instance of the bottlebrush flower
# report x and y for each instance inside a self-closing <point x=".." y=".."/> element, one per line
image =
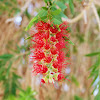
<point x="39" y="55"/>
<point x="48" y="59"/>
<point x="53" y="51"/>
<point x="53" y="39"/>
<point x="60" y="77"/>
<point x="48" y="44"/>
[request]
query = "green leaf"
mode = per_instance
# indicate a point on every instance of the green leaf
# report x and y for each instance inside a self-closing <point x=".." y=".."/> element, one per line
<point x="61" y="5"/>
<point x="97" y="97"/>
<point x="74" y="80"/>
<point x="93" y="73"/>
<point x="28" y="93"/>
<point x="56" y="12"/>
<point x="27" y="14"/>
<point x="56" y="21"/>
<point x="28" y="38"/>
<point x="47" y="1"/>
<point x="31" y="23"/>
<point x="11" y="97"/>
<point x="45" y="8"/>
<point x="6" y="56"/>
<point x="77" y="98"/>
<point x="71" y="5"/>
<point x="53" y="8"/>
<point x="93" y="54"/>
<point x="63" y="15"/>
<point x="95" y="65"/>
<point x="94" y="80"/>
<point x="66" y="39"/>
<point x="8" y="69"/>
<point x="42" y="13"/>
<point x="80" y="0"/>
<point x="70" y="42"/>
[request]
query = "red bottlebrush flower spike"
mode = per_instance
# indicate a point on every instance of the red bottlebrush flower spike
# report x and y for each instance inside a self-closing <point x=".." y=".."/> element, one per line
<point x="48" y="59"/>
<point x="53" y="39"/>
<point x="48" y="51"/>
<point x="55" y="64"/>
<point x="44" y="69"/>
<point x="60" y="77"/>
<point x="53" y="51"/>
<point x="39" y="55"/>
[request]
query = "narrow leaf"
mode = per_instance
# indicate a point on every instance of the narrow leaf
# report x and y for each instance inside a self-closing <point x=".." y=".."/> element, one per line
<point x="93" y="54"/>
<point x="56" y="12"/>
<point x="61" y="5"/>
<point x="31" y="23"/>
<point x="8" y="69"/>
<point x="6" y="56"/>
<point x="42" y="13"/>
<point x="56" y="21"/>
<point x="66" y="39"/>
<point x="71" y="5"/>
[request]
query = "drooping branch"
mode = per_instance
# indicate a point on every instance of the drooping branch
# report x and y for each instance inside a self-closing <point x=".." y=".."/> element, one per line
<point x="77" y="18"/>
<point x="83" y="14"/>
<point x="22" y="11"/>
<point x="96" y="15"/>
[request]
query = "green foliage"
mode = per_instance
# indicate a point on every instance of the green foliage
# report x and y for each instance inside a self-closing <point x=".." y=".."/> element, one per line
<point x="99" y="11"/>
<point x="27" y="14"/>
<point x="93" y="54"/>
<point x="6" y="57"/>
<point x="10" y="80"/>
<point x="71" y="5"/>
<point x="74" y="80"/>
<point x="49" y="13"/>
<point x="56" y="21"/>
<point x="41" y="15"/>
<point x="80" y="37"/>
<point x="66" y="39"/>
<point x="77" y="98"/>
<point x="61" y="5"/>
<point x="8" y="77"/>
<point x="55" y="12"/>
<point x="46" y="1"/>
<point x="95" y="73"/>
<point x="80" y="0"/>
<point x="97" y="97"/>
<point x="27" y="94"/>
<point x="9" y="6"/>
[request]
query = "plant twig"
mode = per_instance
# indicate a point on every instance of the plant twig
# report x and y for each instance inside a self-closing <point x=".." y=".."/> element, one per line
<point x="22" y="10"/>
<point x="96" y="15"/>
<point x="79" y="16"/>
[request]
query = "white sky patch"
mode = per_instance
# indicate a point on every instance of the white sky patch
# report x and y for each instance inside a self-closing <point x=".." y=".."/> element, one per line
<point x="37" y="5"/>
<point x="35" y="13"/>
<point x="96" y="81"/>
<point x="22" y="41"/>
<point x="95" y="92"/>
<point x="67" y="70"/>
<point x="65" y="87"/>
<point x="18" y="20"/>
<point x="30" y="8"/>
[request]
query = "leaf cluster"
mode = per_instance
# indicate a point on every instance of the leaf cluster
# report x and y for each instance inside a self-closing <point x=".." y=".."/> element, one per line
<point x="50" y="12"/>
<point x="8" y="77"/>
<point x="95" y="73"/>
<point x="9" y="6"/>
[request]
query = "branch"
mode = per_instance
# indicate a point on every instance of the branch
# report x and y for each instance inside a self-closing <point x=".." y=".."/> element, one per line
<point x="79" y="16"/>
<point x="22" y="10"/>
<point x="96" y="14"/>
